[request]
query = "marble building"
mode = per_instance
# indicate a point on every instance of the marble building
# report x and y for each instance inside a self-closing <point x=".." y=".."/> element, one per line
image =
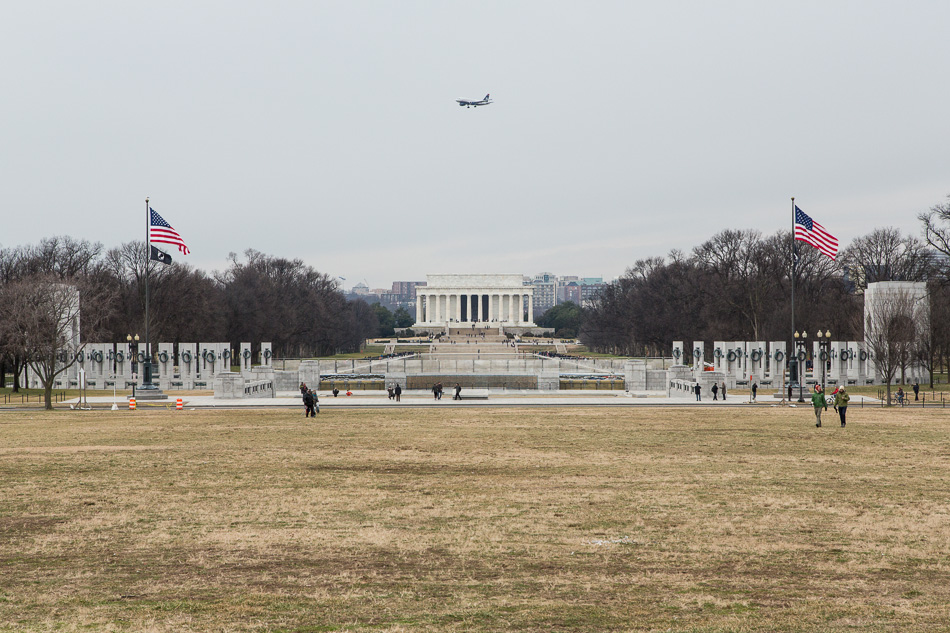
<point x="485" y="299"/>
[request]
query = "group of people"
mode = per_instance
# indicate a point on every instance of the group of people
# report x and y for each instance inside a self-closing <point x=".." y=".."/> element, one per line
<point x="437" y="391"/>
<point x="395" y="391"/>
<point x="838" y="399"/>
<point x="310" y="401"/>
<point x="698" y="390"/>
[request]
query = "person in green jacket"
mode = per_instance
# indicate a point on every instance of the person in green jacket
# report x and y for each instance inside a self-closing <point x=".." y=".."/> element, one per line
<point x="841" y="403"/>
<point x="818" y="401"/>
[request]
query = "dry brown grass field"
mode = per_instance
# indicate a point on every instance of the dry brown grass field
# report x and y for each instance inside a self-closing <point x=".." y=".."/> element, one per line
<point x="566" y="519"/>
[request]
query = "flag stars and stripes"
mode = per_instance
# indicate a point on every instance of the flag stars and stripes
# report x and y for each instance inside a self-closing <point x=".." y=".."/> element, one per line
<point x="809" y="231"/>
<point x="162" y="232"/>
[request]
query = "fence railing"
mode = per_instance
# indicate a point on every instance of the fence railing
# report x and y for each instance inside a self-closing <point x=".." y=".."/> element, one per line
<point x="25" y="398"/>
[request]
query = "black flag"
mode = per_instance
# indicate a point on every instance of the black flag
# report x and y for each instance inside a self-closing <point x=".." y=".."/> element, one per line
<point x="161" y="256"/>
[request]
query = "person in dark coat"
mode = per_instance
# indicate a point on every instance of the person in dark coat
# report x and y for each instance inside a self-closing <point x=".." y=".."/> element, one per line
<point x="308" y="403"/>
<point x="841" y="404"/>
<point x="916" y="390"/>
<point x="755" y="388"/>
<point x="435" y="391"/>
<point x="698" y="391"/>
<point x="715" y="390"/>
<point x="397" y="391"/>
<point x="458" y="392"/>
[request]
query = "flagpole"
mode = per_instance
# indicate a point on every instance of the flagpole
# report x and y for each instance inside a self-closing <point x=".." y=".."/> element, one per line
<point x="792" y="353"/>
<point x="794" y="265"/>
<point x="147" y="367"/>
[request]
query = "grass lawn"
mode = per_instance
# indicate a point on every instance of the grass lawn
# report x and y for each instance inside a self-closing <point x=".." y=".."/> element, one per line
<point x="571" y="519"/>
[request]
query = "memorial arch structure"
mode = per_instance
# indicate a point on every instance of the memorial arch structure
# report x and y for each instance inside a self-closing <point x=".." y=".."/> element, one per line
<point x="480" y="300"/>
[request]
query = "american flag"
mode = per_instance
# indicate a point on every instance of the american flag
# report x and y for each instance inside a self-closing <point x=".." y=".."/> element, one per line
<point x="161" y="231"/>
<point x="807" y="230"/>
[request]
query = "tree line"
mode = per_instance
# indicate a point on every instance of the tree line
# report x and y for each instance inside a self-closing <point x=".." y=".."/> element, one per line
<point x="737" y="285"/>
<point x="258" y="297"/>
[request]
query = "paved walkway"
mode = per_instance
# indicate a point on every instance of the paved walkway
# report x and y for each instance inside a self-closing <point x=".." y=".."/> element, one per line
<point x="378" y="399"/>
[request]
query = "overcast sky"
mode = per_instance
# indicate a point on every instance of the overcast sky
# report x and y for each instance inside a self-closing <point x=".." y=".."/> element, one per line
<point x="329" y="131"/>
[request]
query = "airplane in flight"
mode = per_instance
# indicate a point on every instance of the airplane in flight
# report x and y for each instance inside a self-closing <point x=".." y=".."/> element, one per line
<point x="474" y="104"/>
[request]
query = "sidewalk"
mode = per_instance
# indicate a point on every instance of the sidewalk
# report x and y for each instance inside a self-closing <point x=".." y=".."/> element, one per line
<point x="423" y="398"/>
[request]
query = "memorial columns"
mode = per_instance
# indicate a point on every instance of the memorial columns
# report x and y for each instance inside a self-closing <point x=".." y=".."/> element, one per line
<point x="418" y="308"/>
<point x="530" y="311"/>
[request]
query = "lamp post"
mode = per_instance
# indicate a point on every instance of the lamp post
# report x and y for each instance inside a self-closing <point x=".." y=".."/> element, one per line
<point x="824" y="349"/>
<point x="800" y="341"/>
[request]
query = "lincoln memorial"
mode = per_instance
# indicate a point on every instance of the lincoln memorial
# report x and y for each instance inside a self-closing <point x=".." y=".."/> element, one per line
<point x="486" y="300"/>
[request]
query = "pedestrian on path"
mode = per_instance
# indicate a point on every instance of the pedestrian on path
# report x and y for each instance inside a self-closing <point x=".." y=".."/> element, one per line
<point x="755" y="388"/>
<point x="397" y="391"/>
<point x="698" y="391"/>
<point x="715" y="390"/>
<point x="916" y="390"/>
<point x="458" y="392"/>
<point x="818" y="401"/>
<point x="723" y="390"/>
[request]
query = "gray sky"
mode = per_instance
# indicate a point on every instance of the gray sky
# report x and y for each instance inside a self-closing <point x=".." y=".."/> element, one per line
<point x="328" y="131"/>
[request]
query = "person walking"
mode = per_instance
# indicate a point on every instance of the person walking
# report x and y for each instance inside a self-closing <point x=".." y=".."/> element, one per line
<point x="389" y="389"/>
<point x="397" y="391"/>
<point x="316" y="403"/>
<point x="715" y="390"/>
<point x="841" y="404"/>
<point x="435" y="391"/>
<point x="439" y="395"/>
<point x="755" y="388"/>
<point x="724" y="390"/>
<point x="818" y="401"/>
<point x="698" y="391"/>
<point x="916" y="390"/>
<point x="308" y="403"/>
<point x="458" y="392"/>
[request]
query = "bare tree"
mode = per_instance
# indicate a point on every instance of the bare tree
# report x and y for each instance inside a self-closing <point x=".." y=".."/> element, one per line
<point x="886" y="255"/>
<point x="893" y="320"/>
<point x="40" y="318"/>
<point x="937" y="226"/>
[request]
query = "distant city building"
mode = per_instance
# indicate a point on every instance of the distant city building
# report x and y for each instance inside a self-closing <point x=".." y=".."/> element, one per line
<point x="360" y="290"/>
<point x="407" y="289"/>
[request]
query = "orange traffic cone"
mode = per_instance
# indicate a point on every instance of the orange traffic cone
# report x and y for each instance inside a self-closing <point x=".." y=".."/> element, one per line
<point x="131" y="404"/>
<point x="179" y="405"/>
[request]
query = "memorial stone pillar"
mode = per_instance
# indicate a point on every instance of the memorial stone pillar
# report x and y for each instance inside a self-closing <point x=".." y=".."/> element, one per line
<point x="778" y="360"/>
<point x="245" y="358"/>
<point x="165" y="366"/>
<point x="418" y="308"/>
<point x="188" y="364"/>
<point x="678" y="353"/>
<point x="267" y="355"/>
<point x="757" y="359"/>
<point x="719" y="355"/>
<point x="699" y="356"/>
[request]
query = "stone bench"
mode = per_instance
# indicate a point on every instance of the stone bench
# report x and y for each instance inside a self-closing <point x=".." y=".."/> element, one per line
<point x="473" y="394"/>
